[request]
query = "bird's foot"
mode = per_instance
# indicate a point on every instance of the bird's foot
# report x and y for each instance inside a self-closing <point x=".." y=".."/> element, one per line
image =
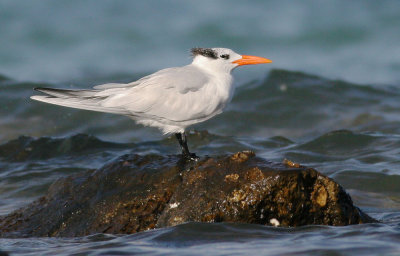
<point x="190" y="156"/>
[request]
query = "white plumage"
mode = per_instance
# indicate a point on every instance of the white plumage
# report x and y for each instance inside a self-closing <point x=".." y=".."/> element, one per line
<point x="171" y="99"/>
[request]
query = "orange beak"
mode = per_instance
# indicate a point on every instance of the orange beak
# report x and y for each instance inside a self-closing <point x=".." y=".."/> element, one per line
<point x="251" y="60"/>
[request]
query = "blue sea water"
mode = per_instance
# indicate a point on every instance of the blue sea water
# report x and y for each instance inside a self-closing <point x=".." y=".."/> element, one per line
<point x="341" y="115"/>
<point x="66" y="40"/>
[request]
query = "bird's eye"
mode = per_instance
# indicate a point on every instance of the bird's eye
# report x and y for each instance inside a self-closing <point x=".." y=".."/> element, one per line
<point x="225" y="56"/>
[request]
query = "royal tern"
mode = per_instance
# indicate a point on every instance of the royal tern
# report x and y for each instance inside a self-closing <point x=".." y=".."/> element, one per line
<point x="170" y="99"/>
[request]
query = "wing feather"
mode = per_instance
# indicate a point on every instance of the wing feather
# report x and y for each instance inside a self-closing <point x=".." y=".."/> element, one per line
<point x="165" y="95"/>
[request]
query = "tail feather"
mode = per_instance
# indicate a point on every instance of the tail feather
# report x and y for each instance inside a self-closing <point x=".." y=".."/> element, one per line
<point x="64" y="93"/>
<point x="81" y="99"/>
<point x="110" y="86"/>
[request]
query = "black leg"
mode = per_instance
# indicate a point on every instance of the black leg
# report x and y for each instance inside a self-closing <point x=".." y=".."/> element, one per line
<point x="185" y="150"/>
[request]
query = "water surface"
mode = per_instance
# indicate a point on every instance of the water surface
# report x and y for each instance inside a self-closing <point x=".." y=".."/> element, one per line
<point x="340" y="114"/>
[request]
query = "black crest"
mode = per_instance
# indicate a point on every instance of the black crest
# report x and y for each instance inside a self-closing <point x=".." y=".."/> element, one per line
<point x="206" y="52"/>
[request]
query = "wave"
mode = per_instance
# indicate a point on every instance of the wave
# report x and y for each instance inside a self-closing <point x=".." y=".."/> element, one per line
<point x="287" y="103"/>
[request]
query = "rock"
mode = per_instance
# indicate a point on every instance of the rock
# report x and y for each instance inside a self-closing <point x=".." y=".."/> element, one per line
<point x="136" y="193"/>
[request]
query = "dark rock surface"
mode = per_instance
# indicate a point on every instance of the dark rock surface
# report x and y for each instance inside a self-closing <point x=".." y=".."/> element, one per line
<point x="136" y="193"/>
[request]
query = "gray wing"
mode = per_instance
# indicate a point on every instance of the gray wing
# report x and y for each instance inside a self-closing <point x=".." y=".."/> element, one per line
<point x="166" y="94"/>
<point x="178" y="77"/>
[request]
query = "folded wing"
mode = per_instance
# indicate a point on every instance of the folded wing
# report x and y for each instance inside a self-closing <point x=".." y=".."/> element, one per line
<point x="170" y="94"/>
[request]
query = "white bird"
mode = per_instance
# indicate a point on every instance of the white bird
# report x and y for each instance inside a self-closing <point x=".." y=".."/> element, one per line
<point x="170" y="99"/>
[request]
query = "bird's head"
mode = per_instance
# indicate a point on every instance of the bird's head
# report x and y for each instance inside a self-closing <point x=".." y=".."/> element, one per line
<point x="223" y="59"/>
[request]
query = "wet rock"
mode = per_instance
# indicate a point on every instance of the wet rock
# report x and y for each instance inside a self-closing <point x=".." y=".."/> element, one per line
<point x="136" y="193"/>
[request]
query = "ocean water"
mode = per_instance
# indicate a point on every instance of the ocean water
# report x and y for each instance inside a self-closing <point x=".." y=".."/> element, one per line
<point x="330" y="100"/>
